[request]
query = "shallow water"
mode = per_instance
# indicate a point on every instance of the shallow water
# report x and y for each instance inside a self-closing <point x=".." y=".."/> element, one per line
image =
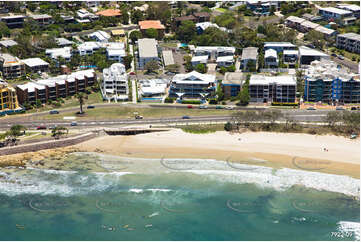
<point x="186" y="203"/>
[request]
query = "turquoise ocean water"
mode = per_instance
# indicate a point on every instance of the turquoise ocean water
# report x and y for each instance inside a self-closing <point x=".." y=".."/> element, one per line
<point x="173" y="205"/>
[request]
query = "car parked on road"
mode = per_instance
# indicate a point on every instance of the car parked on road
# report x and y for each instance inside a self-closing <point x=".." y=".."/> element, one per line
<point x="229" y="107"/>
<point x="74" y="123"/>
<point x="311" y="108"/>
<point x="186" y="117"/>
<point x="138" y="117"/>
<point x="90" y="106"/>
<point x="41" y="127"/>
<point x="219" y="107"/>
<point x="340" y="108"/>
<point x="203" y="107"/>
<point x="341" y="57"/>
<point x="53" y="112"/>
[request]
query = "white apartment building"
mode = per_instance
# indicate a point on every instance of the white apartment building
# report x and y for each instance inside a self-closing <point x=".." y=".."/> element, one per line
<point x="100" y="36"/>
<point x="147" y="51"/>
<point x="272" y="88"/>
<point x="213" y="52"/>
<point x="115" y="51"/>
<point x="88" y="48"/>
<point x="115" y="83"/>
<point x="59" y="52"/>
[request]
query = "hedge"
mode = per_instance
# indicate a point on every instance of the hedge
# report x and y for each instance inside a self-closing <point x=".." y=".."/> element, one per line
<point x="213" y="101"/>
<point x="169" y="100"/>
<point x="284" y="104"/>
<point x="191" y="102"/>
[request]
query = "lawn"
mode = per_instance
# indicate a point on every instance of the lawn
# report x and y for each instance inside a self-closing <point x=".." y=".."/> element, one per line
<point x="222" y="10"/>
<point x="202" y="129"/>
<point x="128" y="112"/>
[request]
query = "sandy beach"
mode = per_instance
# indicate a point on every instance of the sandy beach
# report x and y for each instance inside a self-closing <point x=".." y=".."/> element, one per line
<point x="296" y="151"/>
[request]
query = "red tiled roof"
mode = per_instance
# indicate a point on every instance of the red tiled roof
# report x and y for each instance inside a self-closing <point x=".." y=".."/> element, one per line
<point x="110" y="13"/>
<point x="151" y="24"/>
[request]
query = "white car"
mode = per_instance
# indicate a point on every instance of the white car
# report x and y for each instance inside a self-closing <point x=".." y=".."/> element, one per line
<point x="229" y="107"/>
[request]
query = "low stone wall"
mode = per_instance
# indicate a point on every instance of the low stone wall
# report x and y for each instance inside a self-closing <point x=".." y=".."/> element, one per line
<point x="51" y="144"/>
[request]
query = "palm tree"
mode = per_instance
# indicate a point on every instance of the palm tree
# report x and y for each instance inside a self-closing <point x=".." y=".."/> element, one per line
<point x="81" y="96"/>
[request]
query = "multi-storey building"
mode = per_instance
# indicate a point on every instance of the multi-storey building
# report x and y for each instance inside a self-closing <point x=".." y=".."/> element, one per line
<point x="147" y="51"/>
<point x="349" y="42"/>
<point x="279" y="46"/>
<point x="55" y="53"/>
<point x="324" y="82"/>
<point x="249" y="54"/>
<point x="265" y="89"/>
<point x="55" y="87"/>
<point x="213" y="52"/>
<point x="115" y="83"/>
<point x="334" y="13"/>
<point x="36" y="65"/>
<point x="43" y="19"/>
<point x="11" y="67"/>
<point x="192" y="85"/>
<point x="232" y="83"/>
<point x="8" y="99"/>
<point x="271" y="58"/>
<point x="13" y="21"/>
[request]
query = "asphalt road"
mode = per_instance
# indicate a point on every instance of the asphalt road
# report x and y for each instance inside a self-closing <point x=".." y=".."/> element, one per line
<point x="354" y="67"/>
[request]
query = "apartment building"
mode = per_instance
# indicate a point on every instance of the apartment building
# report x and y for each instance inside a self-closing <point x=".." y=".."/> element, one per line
<point x="290" y="57"/>
<point x="249" y="54"/>
<point x="262" y="7"/>
<point x="11" y="67"/>
<point x="304" y="26"/>
<point x="36" y="65"/>
<point x="279" y="46"/>
<point x="153" y="88"/>
<point x="13" y="21"/>
<point x="55" y="87"/>
<point x="8" y="99"/>
<point x="232" y="83"/>
<point x="100" y="36"/>
<point x="307" y="55"/>
<point x="214" y="53"/>
<point x="355" y="9"/>
<point x="115" y="51"/>
<point x="55" y="53"/>
<point x="325" y="82"/>
<point x="88" y="48"/>
<point x="271" y="58"/>
<point x="42" y="19"/>
<point x="147" y="51"/>
<point x="334" y="13"/>
<point x="280" y="89"/>
<point x="115" y="83"/>
<point x="192" y="85"/>
<point x="349" y="42"/>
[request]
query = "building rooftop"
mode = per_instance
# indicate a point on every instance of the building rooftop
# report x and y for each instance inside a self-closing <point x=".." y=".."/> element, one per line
<point x="225" y="58"/>
<point x="278" y="44"/>
<point x="215" y="48"/>
<point x="194" y="77"/>
<point x="295" y="19"/>
<point x="41" y="16"/>
<point x="168" y="57"/>
<point x="8" y="43"/>
<point x="202" y="14"/>
<point x="249" y="53"/>
<point x="64" y="52"/>
<point x="351" y="7"/>
<point x="13" y="17"/>
<point x="147" y="48"/>
<point x="259" y="79"/>
<point x="352" y="36"/>
<point x="110" y="13"/>
<point x="63" y="41"/>
<point x="305" y="51"/>
<point x="32" y="62"/>
<point x="309" y="24"/>
<point x="205" y="25"/>
<point x="10" y="60"/>
<point x="325" y="30"/>
<point x="118" y="32"/>
<point x="233" y="78"/>
<point x="100" y="35"/>
<point x="328" y="70"/>
<point x="336" y="10"/>
<point x="200" y="58"/>
<point x="290" y="52"/>
<point x="270" y="53"/>
<point x="185" y="18"/>
<point x="151" y="24"/>
<point x="153" y="86"/>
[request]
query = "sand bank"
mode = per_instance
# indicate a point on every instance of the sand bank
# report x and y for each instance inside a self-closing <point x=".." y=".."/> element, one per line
<point x="297" y="151"/>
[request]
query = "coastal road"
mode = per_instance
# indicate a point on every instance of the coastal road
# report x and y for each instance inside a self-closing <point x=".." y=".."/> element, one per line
<point x="304" y="116"/>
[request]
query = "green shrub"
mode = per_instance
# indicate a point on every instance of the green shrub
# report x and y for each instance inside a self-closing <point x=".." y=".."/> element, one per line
<point x="224" y="102"/>
<point x="284" y="104"/>
<point x="228" y="126"/>
<point x="213" y="101"/>
<point x="191" y="101"/>
<point x="169" y="100"/>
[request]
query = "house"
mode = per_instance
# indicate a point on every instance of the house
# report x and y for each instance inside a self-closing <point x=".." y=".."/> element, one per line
<point x="202" y="17"/>
<point x="65" y="53"/>
<point x="147" y="51"/>
<point x="100" y="36"/>
<point x="36" y="65"/>
<point x="280" y="89"/>
<point x="192" y="85"/>
<point x="178" y="20"/>
<point x="325" y="82"/>
<point x="115" y="83"/>
<point x="55" y="87"/>
<point x="63" y="42"/>
<point x="8" y="43"/>
<point x="334" y="13"/>
<point x="118" y="33"/>
<point x="43" y="19"/>
<point x="307" y="26"/>
<point x="290" y="57"/>
<point x="68" y="19"/>
<point x="110" y="13"/>
<point x="11" y="67"/>
<point x="232" y="83"/>
<point x="349" y="42"/>
<point x="312" y="18"/>
<point x="153" y="87"/>
<point x="262" y="7"/>
<point x="88" y="48"/>
<point x="199" y="59"/>
<point x="279" y="46"/>
<point x="225" y="61"/>
<point x="213" y="52"/>
<point x="271" y="58"/>
<point x="307" y="55"/>
<point x="13" y="21"/>
<point x="202" y="26"/>
<point x="249" y="54"/>
<point x="84" y="15"/>
<point x="355" y="9"/>
<point x="115" y="51"/>
<point x="8" y="99"/>
<point x="168" y="57"/>
<point x="152" y="24"/>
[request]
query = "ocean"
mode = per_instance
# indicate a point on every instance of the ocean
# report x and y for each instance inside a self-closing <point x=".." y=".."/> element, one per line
<point x="176" y="199"/>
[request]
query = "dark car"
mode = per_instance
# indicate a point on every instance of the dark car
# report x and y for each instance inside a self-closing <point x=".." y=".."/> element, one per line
<point x="355" y="108"/>
<point x="90" y="106"/>
<point x="41" y="127"/>
<point x="334" y="55"/>
<point x="53" y="112"/>
<point x="186" y="117"/>
<point x="74" y="123"/>
<point x="311" y="108"/>
<point x="219" y="107"/>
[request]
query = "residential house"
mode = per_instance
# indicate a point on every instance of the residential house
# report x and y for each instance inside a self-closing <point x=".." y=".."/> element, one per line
<point x="192" y="85"/>
<point x="279" y="46"/>
<point x="280" y="89"/>
<point x="307" y="55"/>
<point x="115" y="51"/>
<point x="110" y="13"/>
<point x="152" y="24"/>
<point x="43" y="19"/>
<point x="152" y="88"/>
<point x="290" y="57"/>
<point x="35" y="65"/>
<point x="88" y="48"/>
<point x="232" y="83"/>
<point x="349" y="42"/>
<point x="199" y="59"/>
<point x="115" y="83"/>
<point x="202" y="17"/>
<point x="249" y="54"/>
<point x="11" y="67"/>
<point x="225" y="61"/>
<point x="147" y="51"/>
<point x="55" y="53"/>
<point x="100" y="36"/>
<point x="271" y="58"/>
<point x="63" y="42"/>
<point x="202" y="26"/>
<point x="8" y="43"/>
